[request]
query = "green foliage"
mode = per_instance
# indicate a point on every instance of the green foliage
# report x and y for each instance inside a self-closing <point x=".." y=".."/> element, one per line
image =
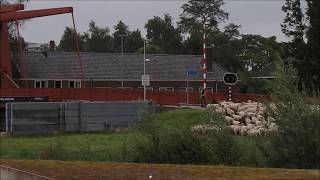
<point x="151" y="49"/>
<point x="89" y="147"/>
<point x="297" y="144"/>
<point x="98" y="39"/>
<point x="163" y="34"/>
<point x="303" y="28"/>
<point x="254" y="86"/>
<point x="197" y="13"/>
<point x="167" y="138"/>
<point x="68" y="41"/>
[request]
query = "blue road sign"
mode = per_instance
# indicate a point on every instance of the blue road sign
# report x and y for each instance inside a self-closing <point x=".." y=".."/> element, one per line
<point x="192" y="73"/>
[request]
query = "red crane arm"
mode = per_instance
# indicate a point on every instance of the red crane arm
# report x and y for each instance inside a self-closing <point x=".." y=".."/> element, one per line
<point x="20" y="15"/>
<point x="10" y="8"/>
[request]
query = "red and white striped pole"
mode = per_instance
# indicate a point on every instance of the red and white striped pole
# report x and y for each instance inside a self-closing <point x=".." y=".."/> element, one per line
<point x="204" y="60"/>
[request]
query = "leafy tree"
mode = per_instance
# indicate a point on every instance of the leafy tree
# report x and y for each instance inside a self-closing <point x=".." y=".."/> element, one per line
<point x="259" y="52"/>
<point x="121" y="29"/>
<point x="135" y="41"/>
<point x="98" y="39"/>
<point x="132" y="41"/>
<point x="297" y="25"/>
<point x="226" y="49"/>
<point x="314" y="43"/>
<point x="232" y="30"/>
<point x="197" y="13"/>
<point x="68" y="41"/>
<point x="151" y="49"/>
<point x="164" y="34"/>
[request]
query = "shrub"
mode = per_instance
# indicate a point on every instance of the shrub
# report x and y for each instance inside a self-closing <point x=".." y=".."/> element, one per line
<point x="297" y="143"/>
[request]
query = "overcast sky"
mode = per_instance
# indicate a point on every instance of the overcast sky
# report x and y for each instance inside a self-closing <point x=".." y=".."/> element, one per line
<point x="255" y="16"/>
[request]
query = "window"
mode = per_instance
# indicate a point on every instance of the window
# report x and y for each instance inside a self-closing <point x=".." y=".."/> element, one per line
<point x="170" y="89"/>
<point x="71" y="84"/>
<point x="78" y="84"/>
<point x="44" y="84"/>
<point x="74" y="84"/>
<point x="147" y="88"/>
<point x="57" y="84"/>
<point x="184" y="89"/>
<point x="37" y="84"/>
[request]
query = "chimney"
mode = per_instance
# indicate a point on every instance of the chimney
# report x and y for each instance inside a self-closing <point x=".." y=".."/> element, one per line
<point x="52" y="46"/>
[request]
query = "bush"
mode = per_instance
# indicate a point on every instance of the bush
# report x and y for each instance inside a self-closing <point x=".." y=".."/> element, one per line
<point x="162" y="140"/>
<point x="297" y="143"/>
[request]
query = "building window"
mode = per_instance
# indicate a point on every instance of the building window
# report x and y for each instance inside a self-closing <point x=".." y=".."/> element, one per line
<point x="170" y="89"/>
<point x="74" y="84"/>
<point x="44" y="84"/>
<point x="71" y="84"/>
<point x="78" y="84"/>
<point x="58" y="84"/>
<point x="37" y="84"/>
<point x="184" y="89"/>
<point x="41" y="84"/>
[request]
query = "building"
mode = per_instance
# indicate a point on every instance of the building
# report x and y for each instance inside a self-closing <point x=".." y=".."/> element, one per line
<point x="167" y="72"/>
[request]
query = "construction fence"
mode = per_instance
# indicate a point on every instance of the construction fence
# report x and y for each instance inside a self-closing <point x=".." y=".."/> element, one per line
<point x="51" y="117"/>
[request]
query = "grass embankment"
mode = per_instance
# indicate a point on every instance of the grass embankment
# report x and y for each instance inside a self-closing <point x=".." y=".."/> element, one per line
<point x="93" y="170"/>
<point x="89" y="146"/>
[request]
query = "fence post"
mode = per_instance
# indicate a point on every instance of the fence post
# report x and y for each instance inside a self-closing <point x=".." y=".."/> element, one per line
<point x="80" y="118"/>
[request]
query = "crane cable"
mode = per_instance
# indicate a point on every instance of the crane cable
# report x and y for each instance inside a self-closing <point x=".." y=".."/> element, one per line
<point x="22" y="63"/>
<point x="78" y="52"/>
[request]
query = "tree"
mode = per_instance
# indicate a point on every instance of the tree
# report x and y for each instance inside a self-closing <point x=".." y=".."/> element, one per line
<point x="164" y="34"/>
<point x="258" y="52"/>
<point x="232" y="30"/>
<point x="314" y="43"/>
<point x="68" y="41"/>
<point x="99" y="39"/>
<point x="297" y="25"/>
<point x="226" y="51"/>
<point x="121" y="33"/>
<point x="135" y="41"/>
<point x="197" y="13"/>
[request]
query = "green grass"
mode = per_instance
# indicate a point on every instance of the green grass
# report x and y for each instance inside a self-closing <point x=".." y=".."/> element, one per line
<point x="90" y="146"/>
<point x="97" y="147"/>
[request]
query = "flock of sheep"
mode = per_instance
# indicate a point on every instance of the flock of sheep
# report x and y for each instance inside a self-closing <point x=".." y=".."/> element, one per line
<point x="247" y="118"/>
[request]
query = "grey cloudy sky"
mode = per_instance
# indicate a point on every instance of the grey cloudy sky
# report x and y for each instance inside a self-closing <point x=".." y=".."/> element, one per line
<point x="255" y="16"/>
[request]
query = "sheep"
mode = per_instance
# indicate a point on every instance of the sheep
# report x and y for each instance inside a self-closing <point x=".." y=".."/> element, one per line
<point x="230" y="112"/>
<point x="229" y="119"/>
<point x="237" y="117"/>
<point x="247" y="120"/>
<point x="253" y="132"/>
<point x="236" y="129"/>
<point x="220" y="111"/>
<point x="244" y="130"/>
<point x="235" y="122"/>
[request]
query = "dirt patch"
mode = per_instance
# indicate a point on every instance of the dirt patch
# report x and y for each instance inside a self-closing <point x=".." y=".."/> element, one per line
<point x="96" y="170"/>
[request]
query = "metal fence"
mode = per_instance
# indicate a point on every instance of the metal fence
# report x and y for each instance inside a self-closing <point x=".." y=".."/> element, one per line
<point x="44" y="118"/>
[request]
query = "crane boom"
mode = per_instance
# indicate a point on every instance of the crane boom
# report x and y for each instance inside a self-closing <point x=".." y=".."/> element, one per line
<point x="21" y="15"/>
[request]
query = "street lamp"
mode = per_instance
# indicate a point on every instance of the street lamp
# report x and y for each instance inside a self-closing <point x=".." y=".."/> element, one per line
<point x="122" y="36"/>
<point x="144" y="69"/>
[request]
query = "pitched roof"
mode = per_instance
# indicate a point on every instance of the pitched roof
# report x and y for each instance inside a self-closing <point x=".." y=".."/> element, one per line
<point x="64" y="65"/>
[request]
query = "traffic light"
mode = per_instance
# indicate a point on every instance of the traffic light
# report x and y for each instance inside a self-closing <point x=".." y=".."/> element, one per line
<point x="230" y="78"/>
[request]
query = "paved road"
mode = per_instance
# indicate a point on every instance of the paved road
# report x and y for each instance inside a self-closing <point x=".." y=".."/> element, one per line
<point x="7" y="173"/>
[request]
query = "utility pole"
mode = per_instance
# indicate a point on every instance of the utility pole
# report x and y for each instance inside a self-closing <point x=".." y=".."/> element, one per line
<point x="122" y="36"/>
